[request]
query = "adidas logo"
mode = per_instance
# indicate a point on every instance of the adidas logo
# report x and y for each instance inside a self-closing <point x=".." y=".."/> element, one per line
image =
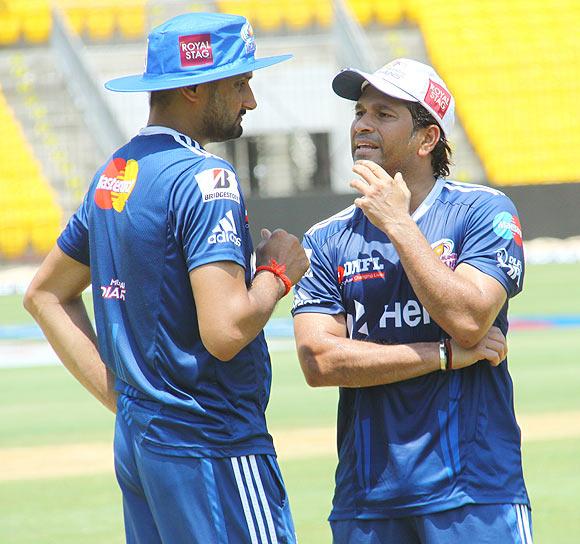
<point x="225" y="231"/>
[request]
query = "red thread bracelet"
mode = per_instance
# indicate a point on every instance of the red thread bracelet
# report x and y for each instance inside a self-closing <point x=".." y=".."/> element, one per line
<point x="449" y="351"/>
<point x="278" y="270"/>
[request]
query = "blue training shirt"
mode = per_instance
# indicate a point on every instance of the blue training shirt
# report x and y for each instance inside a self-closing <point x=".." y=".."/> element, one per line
<point x="159" y="208"/>
<point x="438" y="441"/>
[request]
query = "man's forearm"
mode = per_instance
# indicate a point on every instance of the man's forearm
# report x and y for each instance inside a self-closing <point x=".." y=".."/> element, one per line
<point x="70" y="333"/>
<point x="344" y="362"/>
<point x="459" y="306"/>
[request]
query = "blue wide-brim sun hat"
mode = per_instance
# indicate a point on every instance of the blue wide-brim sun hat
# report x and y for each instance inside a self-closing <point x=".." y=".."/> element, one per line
<point x="196" y="48"/>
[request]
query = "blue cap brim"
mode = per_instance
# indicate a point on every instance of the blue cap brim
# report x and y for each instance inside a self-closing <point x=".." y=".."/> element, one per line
<point x="139" y="83"/>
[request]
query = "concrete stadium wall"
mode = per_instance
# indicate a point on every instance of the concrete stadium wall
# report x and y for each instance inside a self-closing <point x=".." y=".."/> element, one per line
<point x="544" y="210"/>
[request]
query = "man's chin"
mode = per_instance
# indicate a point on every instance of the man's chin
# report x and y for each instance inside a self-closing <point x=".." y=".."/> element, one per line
<point x="367" y="155"/>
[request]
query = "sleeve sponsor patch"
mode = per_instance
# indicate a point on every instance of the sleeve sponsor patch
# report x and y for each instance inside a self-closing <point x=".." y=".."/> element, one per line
<point x="217" y="184"/>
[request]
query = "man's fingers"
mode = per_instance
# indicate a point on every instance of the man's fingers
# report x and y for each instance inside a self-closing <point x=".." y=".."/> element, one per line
<point x="372" y="166"/>
<point x="495" y="352"/>
<point x="265" y="233"/>
<point x="370" y="171"/>
<point x="359" y="185"/>
<point x="359" y="202"/>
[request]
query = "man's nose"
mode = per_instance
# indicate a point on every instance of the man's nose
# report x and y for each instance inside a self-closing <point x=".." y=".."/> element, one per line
<point x="362" y="124"/>
<point x="249" y="102"/>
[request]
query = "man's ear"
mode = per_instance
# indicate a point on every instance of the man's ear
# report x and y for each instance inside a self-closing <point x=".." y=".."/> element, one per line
<point x="429" y="137"/>
<point x="190" y="93"/>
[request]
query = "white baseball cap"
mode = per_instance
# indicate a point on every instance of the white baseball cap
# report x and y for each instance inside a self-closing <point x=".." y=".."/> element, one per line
<point x="405" y="79"/>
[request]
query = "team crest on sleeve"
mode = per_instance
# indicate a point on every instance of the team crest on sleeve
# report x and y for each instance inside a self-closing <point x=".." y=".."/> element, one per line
<point x="116" y="184"/>
<point x="444" y="250"/>
<point x="218" y="183"/>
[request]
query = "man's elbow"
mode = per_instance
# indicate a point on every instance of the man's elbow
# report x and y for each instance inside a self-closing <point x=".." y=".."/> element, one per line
<point x="312" y="368"/>
<point x="468" y="335"/>
<point x="30" y="301"/>
<point x="221" y="345"/>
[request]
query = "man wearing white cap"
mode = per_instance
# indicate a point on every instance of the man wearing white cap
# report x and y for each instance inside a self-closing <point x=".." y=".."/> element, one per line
<point x="163" y="237"/>
<point x="405" y="309"/>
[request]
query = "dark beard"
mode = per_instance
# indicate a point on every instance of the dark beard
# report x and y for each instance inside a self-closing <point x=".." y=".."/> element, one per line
<point x="217" y="127"/>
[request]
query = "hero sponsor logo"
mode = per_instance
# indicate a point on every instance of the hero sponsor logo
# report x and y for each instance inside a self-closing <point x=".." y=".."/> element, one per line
<point x="507" y="226"/>
<point x="115" y="290"/>
<point x="511" y="265"/>
<point x="116" y="184"/>
<point x="195" y="50"/>
<point x="410" y="314"/>
<point x="438" y="98"/>
<point x="225" y="231"/>
<point x="360" y="270"/>
<point x="217" y="184"/>
<point x="444" y="250"/>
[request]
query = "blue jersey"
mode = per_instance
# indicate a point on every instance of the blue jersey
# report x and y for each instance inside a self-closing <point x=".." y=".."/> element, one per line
<point x="159" y="208"/>
<point x="438" y="441"/>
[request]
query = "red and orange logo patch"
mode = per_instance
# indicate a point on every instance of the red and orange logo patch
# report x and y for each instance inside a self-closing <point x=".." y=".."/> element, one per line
<point x="116" y="184"/>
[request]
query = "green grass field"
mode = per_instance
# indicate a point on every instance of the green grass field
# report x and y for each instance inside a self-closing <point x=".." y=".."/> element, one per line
<point x="44" y="406"/>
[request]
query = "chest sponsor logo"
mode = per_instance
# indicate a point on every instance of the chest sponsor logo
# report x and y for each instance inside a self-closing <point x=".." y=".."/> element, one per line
<point x="217" y="184"/>
<point x="444" y="250"/>
<point x="195" y="50"/>
<point x="360" y="270"/>
<point x="507" y="226"/>
<point x="509" y="264"/>
<point x="438" y="98"/>
<point x="225" y="231"/>
<point x="114" y="291"/>
<point x="410" y="314"/>
<point x="116" y="184"/>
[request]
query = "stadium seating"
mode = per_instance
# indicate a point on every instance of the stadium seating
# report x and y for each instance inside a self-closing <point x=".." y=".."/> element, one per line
<point x="514" y="69"/>
<point x="98" y="20"/>
<point x="30" y="217"/>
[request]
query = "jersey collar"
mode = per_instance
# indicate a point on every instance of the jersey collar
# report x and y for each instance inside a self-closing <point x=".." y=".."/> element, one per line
<point x="178" y="136"/>
<point x="429" y="199"/>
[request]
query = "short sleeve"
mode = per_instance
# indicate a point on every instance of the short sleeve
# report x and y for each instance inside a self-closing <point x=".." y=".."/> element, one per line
<point x="318" y="291"/>
<point x="207" y="215"/>
<point x="74" y="239"/>
<point x="493" y="242"/>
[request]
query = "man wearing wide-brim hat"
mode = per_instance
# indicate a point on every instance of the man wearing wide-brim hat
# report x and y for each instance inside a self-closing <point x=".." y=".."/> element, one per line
<point x="180" y="355"/>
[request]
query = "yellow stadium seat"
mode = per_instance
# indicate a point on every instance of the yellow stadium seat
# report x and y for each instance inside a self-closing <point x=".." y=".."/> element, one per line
<point x="323" y="13"/>
<point x="9" y="28"/>
<point x="298" y="14"/>
<point x="75" y="17"/>
<point x="267" y="15"/>
<point x="362" y="10"/>
<point x="131" y="20"/>
<point x="100" y="22"/>
<point x="36" y="26"/>
<point x="231" y="6"/>
<point x="13" y="242"/>
<point x="388" y="12"/>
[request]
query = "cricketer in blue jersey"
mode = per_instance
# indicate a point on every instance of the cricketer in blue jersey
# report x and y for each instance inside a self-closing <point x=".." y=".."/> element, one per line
<point x="179" y="352"/>
<point x="404" y="307"/>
